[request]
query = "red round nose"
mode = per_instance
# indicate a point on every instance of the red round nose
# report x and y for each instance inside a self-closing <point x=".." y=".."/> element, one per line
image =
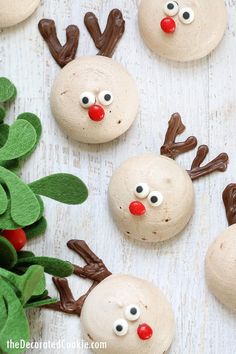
<point x="96" y="113"/>
<point x="168" y="25"/>
<point x="145" y="332"/>
<point x="137" y="208"/>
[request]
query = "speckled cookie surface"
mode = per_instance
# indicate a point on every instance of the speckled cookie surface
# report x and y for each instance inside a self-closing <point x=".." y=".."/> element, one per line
<point x="13" y="12"/>
<point x="108" y="306"/>
<point x="182" y="30"/>
<point x="89" y="79"/>
<point x="162" y="179"/>
<point x="220" y="267"/>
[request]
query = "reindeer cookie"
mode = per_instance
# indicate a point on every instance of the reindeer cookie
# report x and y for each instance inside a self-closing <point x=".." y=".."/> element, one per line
<point x="220" y="264"/>
<point x="13" y="12"/>
<point x="182" y="30"/>
<point x="151" y="197"/>
<point x="129" y="314"/>
<point x="94" y="99"/>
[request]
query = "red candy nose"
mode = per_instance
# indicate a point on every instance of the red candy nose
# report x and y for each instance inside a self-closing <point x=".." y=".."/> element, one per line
<point x="168" y="25"/>
<point x="137" y="208"/>
<point x="96" y="113"/>
<point x="145" y="332"/>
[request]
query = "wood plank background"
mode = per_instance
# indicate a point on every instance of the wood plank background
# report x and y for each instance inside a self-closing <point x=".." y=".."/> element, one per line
<point x="204" y="92"/>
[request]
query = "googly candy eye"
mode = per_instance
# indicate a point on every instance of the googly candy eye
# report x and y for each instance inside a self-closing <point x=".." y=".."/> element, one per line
<point x="142" y="190"/>
<point x="132" y="312"/>
<point x="171" y="8"/>
<point x="105" y="98"/>
<point x="120" y="327"/>
<point x="186" y="15"/>
<point x="87" y="99"/>
<point x="155" y="198"/>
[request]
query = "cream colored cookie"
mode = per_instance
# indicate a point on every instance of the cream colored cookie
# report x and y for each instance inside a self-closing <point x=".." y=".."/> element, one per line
<point x="130" y="315"/>
<point x="13" y="12"/>
<point x="78" y="99"/>
<point x="162" y="181"/>
<point x="220" y="267"/>
<point x="182" y="30"/>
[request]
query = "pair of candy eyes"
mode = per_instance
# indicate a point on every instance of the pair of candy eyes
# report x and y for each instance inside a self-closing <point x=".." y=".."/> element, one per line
<point x="186" y="14"/>
<point x="121" y="326"/>
<point x="88" y="99"/>
<point x="142" y="191"/>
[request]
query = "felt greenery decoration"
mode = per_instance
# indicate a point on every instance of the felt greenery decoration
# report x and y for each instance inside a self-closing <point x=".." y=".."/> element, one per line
<point x="22" y="274"/>
<point x="20" y="204"/>
<point x="18" y="293"/>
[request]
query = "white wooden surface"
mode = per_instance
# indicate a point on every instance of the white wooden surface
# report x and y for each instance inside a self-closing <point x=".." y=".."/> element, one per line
<point x="204" y="92"/>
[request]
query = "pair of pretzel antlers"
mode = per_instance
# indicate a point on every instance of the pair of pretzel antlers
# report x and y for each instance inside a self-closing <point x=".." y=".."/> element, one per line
<point x="172" y="149"/>
<point x="106" y="42"/>
<point x="94" y="270"/>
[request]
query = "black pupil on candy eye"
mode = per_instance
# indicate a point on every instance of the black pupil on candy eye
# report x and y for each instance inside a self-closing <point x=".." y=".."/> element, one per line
<point x="139" y="189"/>
<point x="154" y="199"/>
<point x="85" y="100"/>
<point x="107" y="97"/>
<point x="133" y="311"/>
<point x="170" y="6"/>
<point x="186" y="15"/>
<point x="119" y="328"/>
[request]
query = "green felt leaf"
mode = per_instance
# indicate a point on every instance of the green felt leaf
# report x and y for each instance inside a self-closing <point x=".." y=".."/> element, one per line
<point x="41" y="204"/>
<point x="12" y="165"/>
<point x="7" y="90"/>
<point x="53" y="266"/>
<point x="4" y="131"/>
<point x="6" y="221"/>
<point x="8" y="255"/>
<point x="33" y="120"/>
<point x="40" y="288"/>
<point x="40" y="303"/>
<point x="24" y="254"/>
<point x="3" y="200"/>
<point x="2" y="114"/>
<point x="63" y="187"/>
<point x="21" y="140"/>
<point x="36" y="229"/>
<point x="3" y="313"/>
<point x="24" y="207"/>
<point x="16" y="326"/>
<point x="32" y="282"/>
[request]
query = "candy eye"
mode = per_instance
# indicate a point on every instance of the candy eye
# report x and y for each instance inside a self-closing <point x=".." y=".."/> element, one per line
<point x="155" y="199"/>
<point x="142" y="190"/>
<point x="186" y="15"/>
<point x="171" y="8"/>
<point x="132" y="312"/>
<point x="87" y="99"/>
<point x="105" y="98"/>
<point x="120" y="327"/>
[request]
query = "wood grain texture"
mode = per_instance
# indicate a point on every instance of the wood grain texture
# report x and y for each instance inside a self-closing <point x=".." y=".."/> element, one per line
<point x="204" y="92"/>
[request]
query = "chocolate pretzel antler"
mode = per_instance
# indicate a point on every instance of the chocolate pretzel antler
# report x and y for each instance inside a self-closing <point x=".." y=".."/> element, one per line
<point x="220" y="163"/>
<point x="107" y="41"/>
<point x="94" y="270"/>
<point x="62" y="54"/>
<point x="172" y="149"/>
<point x="229" y="198"/>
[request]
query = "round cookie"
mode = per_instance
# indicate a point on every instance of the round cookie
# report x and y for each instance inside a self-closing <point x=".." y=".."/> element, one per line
<point x="94" y="79"/>
<point x="151" y="197"/>
<point x="111" y="304"/>
<point x="182" y="30"/>
<point x="94" y="99"/>
<point x="126" y="314"/>
<point x="13" y="12"/>
<point x="220" y="262"/>
<point x="220" y="267"/>
<point x="161" y="177"/>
